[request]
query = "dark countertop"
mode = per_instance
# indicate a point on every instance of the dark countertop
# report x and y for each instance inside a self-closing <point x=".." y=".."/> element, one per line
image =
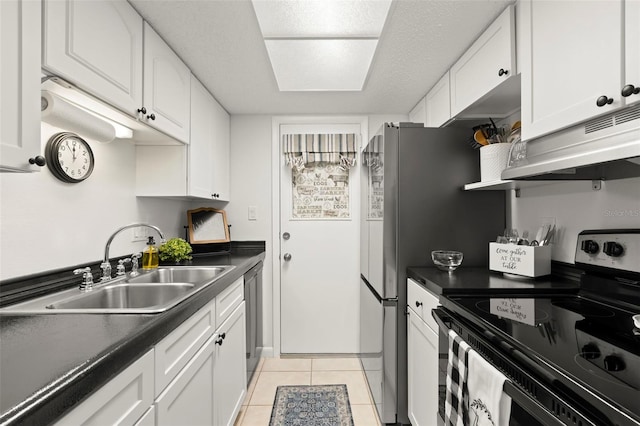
<point x="470" y="280"/>
<point x="50" y="362"/>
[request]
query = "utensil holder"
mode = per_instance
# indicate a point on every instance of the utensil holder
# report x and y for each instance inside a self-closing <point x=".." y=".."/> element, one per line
<point x="493" y="160"/>
<point x="526" y="261"/>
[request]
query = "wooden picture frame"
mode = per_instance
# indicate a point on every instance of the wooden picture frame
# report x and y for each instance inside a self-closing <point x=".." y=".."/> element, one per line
<point x="208" y="225"/>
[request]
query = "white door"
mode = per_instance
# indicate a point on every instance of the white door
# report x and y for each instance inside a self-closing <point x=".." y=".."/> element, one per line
<point x="319" y="294"/>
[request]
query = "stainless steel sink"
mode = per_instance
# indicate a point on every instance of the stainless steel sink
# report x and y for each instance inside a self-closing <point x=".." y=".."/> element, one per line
<point x="150" y="292"/>
<point x="179" y="274"/>
<point x="127" y="296"/>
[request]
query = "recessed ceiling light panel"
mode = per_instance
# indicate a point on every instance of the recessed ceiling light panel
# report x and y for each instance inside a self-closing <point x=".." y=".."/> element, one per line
<point x="317" y="65"/>
<point x="321" y="18"/>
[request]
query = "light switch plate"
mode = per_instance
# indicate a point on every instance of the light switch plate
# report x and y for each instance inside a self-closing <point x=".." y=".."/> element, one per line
<point x="139" y="233"/>
<point x="252" y="213"/>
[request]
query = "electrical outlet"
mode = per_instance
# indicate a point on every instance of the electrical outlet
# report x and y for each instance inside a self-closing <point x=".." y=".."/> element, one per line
<point x="252" y="213"/>
<point x="139" y="233"/>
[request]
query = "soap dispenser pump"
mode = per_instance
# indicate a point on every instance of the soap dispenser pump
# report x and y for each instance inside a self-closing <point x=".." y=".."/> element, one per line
<point x="150" y="258"/>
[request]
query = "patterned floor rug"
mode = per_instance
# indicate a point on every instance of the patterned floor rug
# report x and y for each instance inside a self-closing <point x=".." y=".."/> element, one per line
<point x="320" y="405"/>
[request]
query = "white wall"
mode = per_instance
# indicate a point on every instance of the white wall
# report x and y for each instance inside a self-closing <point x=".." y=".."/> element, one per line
<point x="48" y="224"/>
<point x="576" y="207"/>
<point x="250" y="176"/>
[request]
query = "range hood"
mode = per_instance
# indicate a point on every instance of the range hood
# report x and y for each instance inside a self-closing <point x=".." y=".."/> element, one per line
<point x="604" y="148"/>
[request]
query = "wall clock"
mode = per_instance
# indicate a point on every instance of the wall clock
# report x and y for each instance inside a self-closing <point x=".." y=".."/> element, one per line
<point x="69" y="157"/>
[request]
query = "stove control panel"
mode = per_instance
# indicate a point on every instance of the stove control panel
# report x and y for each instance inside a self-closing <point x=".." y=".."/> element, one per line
<point x="618" y="249"/>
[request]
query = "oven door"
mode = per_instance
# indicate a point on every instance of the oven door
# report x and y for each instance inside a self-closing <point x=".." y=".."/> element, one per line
<point x="525" y="410"/>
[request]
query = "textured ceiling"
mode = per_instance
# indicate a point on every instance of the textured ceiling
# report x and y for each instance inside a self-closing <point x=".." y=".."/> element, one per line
<point x="220" y="41"/>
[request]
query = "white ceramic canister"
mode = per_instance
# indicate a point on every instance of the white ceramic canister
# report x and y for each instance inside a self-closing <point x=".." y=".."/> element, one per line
<point x="493" y="160"/>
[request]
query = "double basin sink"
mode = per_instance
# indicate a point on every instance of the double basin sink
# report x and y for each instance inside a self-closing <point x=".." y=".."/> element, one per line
<point x="149" y="292"/>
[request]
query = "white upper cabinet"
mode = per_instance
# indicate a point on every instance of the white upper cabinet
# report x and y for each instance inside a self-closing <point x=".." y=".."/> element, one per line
<point x="96" y="45"/>
<point x="209" y="149"/>
<point x="488" y="63"/>
<point x="574" y="62"/>
<point x="200" y="178"/>
<point x="167" y="82"/>
<point x="198" y="170"/>
<point x="438" y="103"/>
<point x="221" y="157"/>
<point x="631" y="83"/>
<point x="419" y="113"/>
<point x="19" y="85"/>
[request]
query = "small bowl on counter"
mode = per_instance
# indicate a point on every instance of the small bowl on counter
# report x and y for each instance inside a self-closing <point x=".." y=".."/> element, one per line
<point x="446" y="260"/>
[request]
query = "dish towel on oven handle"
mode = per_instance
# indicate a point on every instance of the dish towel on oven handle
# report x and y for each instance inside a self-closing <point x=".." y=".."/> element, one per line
<point x="456" y="402"/>
<point x="488" y="404"/>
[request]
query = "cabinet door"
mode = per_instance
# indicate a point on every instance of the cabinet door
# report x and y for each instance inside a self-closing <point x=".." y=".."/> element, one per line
<point x="221" y="146"/>
<point x="122" y="401"/>
<point x="230" y="374"/>
<point x="201" y="155"/>
<point x="438" y="103"/>
<point x="422" y="370"/>
<point x="188" y="399"/>
<point x="175" y="350"/>
<point x="167" y="87"/>
<point x="560" y="82"/>
<point x="419" y="113"/>
<point x="632" y="48"/>
<point x="20" y="84"/>
<point x="96" y="45"/>
<point x="486" y="64"/>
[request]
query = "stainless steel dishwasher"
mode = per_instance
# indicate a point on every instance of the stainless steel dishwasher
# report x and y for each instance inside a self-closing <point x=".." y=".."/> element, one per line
<point x="253" y="304"/>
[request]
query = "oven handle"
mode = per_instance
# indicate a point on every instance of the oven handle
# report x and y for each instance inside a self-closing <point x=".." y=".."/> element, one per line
<point x="515" y="393"/>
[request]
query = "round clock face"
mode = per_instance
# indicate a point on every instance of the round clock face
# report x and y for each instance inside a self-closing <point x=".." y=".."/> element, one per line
<point x="69" y="157"/>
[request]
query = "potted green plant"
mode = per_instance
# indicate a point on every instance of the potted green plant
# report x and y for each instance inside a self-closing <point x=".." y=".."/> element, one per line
<point x="175" y="250"/>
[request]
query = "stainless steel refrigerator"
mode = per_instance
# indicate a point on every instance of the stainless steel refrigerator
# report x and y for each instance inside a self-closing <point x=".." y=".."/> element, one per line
<point x="413" y="202"/>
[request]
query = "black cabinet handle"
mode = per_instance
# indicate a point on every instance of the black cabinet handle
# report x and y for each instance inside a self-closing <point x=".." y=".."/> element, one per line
<point x="629" y="90"/>
<point x="219" y="342"/>
<point x="603" y="100"/>
<point x="142" y="110"/>
<point x="39" y="160"/>
<point x="151" y="117"/>
<point x="223" y="335"/>
<point x="418" y="304"/>
<point x="502" y="72"/>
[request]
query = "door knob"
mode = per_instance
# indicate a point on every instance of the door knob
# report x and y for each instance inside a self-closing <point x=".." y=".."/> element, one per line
<point x="286" y="236"/>
<point x="287" y="257"/>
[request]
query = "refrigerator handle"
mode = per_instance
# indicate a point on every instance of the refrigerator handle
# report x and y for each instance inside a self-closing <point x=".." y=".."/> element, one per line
<point x="391" y="301"/>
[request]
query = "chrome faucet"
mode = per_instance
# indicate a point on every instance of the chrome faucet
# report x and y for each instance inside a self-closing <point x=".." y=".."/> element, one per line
<point x="105" y="265"/>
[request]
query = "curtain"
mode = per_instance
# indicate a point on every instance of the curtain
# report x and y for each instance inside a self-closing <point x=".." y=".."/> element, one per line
<point x="340" y="149"/>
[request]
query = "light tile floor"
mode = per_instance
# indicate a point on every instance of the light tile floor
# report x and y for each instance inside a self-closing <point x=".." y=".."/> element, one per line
<point x="272" y="372"/>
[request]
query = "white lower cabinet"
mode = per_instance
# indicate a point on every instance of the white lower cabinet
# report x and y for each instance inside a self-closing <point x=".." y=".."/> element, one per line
<point x="122" y="401"/>
<point x="148" y="418"/>
<point x="230" y="369"/>
<point x="188" y="399"/>
<point x="195" y="376"/>
<point x="422" y="357"/>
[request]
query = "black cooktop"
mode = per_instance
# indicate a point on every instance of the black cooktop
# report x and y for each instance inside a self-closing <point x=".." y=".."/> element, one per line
<point x="587" y="344"/>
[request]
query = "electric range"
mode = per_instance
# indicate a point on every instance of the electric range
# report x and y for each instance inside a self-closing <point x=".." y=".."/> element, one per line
<point x="575" y="356"/>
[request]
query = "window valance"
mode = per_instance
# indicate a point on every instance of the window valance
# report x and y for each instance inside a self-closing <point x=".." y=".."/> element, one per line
<point x="340" y="149"/>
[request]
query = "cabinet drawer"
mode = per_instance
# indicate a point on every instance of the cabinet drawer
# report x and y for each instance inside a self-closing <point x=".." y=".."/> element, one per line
<point x="228" y="300"/>
<point x="175" y="350"/>
<point x="122" y="401"/>
<point x="422" y="301"/>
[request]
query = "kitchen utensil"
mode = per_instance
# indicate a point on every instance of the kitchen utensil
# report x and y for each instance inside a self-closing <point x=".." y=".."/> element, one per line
<point x="446" y="260"/>
<point x="636" y="321"/>
<point x="549" y="236"/>
<point x="480" y="138"/>
<point x="542" y="232"/>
